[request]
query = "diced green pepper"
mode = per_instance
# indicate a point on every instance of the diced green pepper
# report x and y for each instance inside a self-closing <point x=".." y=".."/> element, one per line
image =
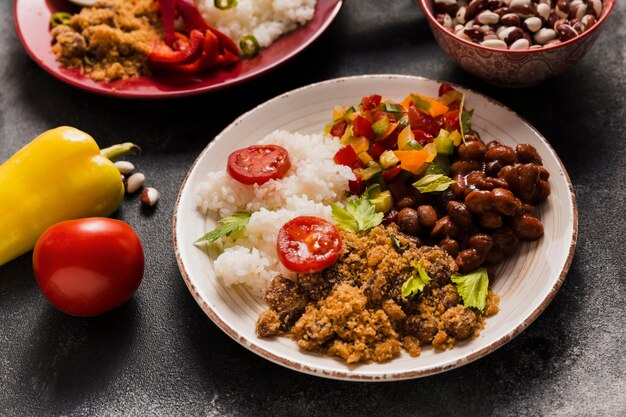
<point x="444" y="145"/>
<point x="380" y="126"/>
<point x="388" y="159"/>
<point x="392" y="108"/>
<point x="383" y="202"/>
<point x="369" y="171"/>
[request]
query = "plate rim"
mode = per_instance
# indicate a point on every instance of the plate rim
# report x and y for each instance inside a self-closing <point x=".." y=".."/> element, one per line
<point x="396" y="376"/>
<point x="160" y="95"/>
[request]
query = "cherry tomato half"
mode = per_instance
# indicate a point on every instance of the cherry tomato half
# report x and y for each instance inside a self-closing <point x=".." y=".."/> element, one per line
<point x="258" y="164"/>
<point x="89" y="266"/>
<point x="308" y="244"/>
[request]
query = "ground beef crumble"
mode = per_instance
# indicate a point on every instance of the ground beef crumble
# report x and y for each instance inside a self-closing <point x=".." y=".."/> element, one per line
<point x="111" y="40"/>
<point x="354" y="309"/>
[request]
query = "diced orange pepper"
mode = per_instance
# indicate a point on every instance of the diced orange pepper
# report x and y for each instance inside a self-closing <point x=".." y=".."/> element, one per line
<point x="412" y="160"/>
<point x="437" y="108"/>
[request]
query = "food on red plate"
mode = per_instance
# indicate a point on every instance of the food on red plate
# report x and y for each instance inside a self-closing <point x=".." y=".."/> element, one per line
<point x="90" y="266"/>
<point x="258" y="164"/>
<point x="119" y="39"/>
<point x="308" y="244"/>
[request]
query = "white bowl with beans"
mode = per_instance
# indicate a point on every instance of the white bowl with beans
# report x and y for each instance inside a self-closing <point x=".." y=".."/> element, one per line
<point x="516" y="43"/>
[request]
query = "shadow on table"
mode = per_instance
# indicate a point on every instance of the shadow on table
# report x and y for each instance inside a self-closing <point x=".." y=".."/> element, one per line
<point x="71" y="359"/>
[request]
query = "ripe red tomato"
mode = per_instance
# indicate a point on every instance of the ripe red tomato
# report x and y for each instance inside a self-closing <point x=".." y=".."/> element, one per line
<point x="89" y="266"/>
<point x="258" y="164"/>
<point x="308" y="244"/>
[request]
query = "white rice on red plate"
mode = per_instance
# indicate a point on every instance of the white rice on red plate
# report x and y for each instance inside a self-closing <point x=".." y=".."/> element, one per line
<point x="267" y="20"/>
<point x="312" y="182"/>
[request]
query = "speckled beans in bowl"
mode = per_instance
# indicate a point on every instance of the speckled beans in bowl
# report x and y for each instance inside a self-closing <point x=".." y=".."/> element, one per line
<point x="514" y="68"/>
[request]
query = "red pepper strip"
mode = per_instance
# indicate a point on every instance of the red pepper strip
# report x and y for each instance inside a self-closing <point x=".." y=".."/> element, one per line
<point x="207" y="60"/>
<point x="187" y="50"/>
<point x="339" y="128"/>
<point x="191" y="16"/>
<point x="228" y="51"/>
<point x="168" y="14"/>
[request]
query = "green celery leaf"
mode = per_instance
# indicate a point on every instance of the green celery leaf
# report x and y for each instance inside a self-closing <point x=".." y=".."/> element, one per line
<point x="227" y="226"/>
<point x="473" y="287"/>
<point x="433" y="183"/>
<point x="343" y="218"/>
<point x="358" y="216"/>
<point x="416" y="282"/>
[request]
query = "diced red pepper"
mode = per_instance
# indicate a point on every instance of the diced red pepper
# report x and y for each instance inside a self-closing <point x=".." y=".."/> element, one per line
<point x="455" y="105"/>
<point x="391" y="141"/>
<point x="451" y="119"/>
<point x="368" y="103"/>
<point x="183" y="50"/>
<point x="377" y="150"/>
<point x="422" y="121"/>
<point x="339" y="128"/>
<point x="356" y="186"/>
<point x="422" y="137"/>
<point x="363" y="127"/>
<point x="444" y="88"/>
<point x="347" y="156"/>
<point x="390" y="173"/>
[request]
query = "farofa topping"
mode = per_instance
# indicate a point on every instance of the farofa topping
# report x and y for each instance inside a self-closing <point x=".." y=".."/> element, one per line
<point x="354" y="309"/>
<point x="111" y="40"/>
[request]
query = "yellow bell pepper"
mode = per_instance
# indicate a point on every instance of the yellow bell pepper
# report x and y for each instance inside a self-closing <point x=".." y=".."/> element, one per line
<point x="60" y="175"/>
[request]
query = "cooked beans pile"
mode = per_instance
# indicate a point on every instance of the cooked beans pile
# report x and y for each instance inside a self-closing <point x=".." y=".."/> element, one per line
<point x="517" y="24"/>
<point x="481" y="218"/>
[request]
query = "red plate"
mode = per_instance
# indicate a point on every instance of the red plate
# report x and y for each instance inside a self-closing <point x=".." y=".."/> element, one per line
<point x="31" y="21"/>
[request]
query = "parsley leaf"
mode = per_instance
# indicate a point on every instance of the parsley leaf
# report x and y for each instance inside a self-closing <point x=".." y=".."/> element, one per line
<point x="416" y="282"/>
<point x="432" y="183"/>
<point x="472" y="287"/>
<point x="227" y="226"/>
<point x="466" y="122"/>
<point x="358" y="216"/>
<point x="396" y="243"/>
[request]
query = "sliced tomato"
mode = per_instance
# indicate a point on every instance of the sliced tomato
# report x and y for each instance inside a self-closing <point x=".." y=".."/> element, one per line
<point x="308" y="244"/>
<point x="258" y="164"/>
<point x="377" y="150"/>
<point x="422" y="137"/>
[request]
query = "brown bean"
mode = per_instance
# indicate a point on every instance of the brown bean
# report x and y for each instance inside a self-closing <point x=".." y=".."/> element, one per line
<point x="408" y="221"/>
<point x="505" y="241"/>
<point x="444" y="227"/>
<point x="527" y="208"/>
<point x="469" y="259"/>
<point x="542" y="191"/>
<point x="459" y="214"/>
<point x="494" y="256"/>
<point x="491" y="220"/>
<point x="481" y="242"/>
<point x="464" y="167"/>
<point x="422" y="328"/>
<point x="504" y="154"/>
<point x="408" y="201"/>
<point x="492" y="168"/>
<point x="527" y="227"/>
<point x="459" y="188"/>
<point x="451" y="246"/>
<point x="427" y="216"/>
<point x="505" y="203"/>
<point x="474" y="150"/>
<point x="479" y="201"/>
<point x="527" y="153"/>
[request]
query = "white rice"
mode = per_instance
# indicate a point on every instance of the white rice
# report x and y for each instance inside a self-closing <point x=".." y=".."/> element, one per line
<point x="312" y="182"/>
<point x="267" y="20"/>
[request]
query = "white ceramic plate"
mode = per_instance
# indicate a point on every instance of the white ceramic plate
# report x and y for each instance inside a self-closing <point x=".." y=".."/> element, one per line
<point x="526" y="283"/>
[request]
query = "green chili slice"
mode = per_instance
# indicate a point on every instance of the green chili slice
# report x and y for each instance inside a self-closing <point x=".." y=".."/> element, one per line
<point x="249" y="45"/>
<point x="225" y="4"/>
<point x="60" y="18"/>
<point x="88" y="61"/>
